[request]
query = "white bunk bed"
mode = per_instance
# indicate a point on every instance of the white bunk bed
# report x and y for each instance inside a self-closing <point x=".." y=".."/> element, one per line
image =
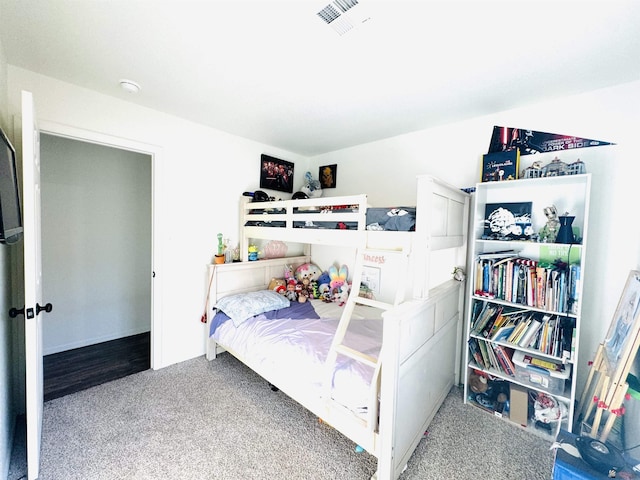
<point x="419" y="351"/>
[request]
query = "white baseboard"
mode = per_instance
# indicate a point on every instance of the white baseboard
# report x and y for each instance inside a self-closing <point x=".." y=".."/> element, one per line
<point x="91" y="341"/>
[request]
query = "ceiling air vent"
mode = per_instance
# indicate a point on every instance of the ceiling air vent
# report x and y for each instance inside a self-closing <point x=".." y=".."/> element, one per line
<point x="343" y="15"/>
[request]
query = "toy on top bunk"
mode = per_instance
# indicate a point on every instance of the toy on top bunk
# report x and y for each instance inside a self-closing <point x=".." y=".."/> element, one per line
<point x="398" y="219"/>
<point x="312" y="188"/>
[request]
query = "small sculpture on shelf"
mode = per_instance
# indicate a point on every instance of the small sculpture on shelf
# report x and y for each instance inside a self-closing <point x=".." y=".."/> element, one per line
<point x="253" y="253"/>
<point x="219" y="257"/>
<point x="555" y="168"/>
<point x="565" y="232"/>
<point x="458" y="274"/>
<point x="549" y="232"/>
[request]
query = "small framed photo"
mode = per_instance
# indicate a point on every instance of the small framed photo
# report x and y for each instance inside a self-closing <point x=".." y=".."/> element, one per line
<point x="276" y="174"/>
<point x="500" y="166"/>
<point x="327" y="175"/>
<point x="507" y="221"/>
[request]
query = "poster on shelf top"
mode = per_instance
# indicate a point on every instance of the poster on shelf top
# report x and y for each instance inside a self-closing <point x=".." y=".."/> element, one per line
<point x="500" y="166"/>
<point x="507" y="221"/>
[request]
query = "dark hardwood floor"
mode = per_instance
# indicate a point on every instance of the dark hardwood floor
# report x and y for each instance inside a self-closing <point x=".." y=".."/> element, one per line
<point x="81" y="368"/>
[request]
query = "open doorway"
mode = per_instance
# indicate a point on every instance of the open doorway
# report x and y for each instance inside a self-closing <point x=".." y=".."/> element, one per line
<point x="154" y="154"/>
<point x="96" y="257"/>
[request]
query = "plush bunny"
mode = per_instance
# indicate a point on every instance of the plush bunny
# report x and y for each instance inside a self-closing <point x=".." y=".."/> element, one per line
<point x="312" y="187"/>
<point x="338" y="278"/>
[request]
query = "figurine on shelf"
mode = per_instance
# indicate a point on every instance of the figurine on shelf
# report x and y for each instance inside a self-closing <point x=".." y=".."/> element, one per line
<point x="219" y="257"/>
<point x="549" y="232"/>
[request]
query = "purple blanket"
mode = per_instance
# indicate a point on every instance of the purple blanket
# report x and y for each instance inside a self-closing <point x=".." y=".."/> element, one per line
<point x="295" y="310"/>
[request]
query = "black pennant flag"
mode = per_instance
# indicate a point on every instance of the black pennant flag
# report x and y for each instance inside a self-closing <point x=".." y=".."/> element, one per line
<point x="530" y="141"/>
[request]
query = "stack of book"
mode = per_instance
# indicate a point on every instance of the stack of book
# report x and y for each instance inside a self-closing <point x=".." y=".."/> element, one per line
<point x="508" y="277"/>
<point x="544" y="332"/>
<point x="490" y="355"/>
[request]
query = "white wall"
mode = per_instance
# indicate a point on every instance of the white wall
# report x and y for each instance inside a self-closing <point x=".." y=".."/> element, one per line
<point x="204" y="173"/>
<point x="385" y="170"/>
<point x="96" y="242"/>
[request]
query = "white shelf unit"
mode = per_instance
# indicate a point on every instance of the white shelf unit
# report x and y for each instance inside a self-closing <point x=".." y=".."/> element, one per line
<point x="568" y="194"/>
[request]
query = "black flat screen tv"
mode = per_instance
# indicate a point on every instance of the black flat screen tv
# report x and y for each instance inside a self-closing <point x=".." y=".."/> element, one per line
<point x="10" y="212"/>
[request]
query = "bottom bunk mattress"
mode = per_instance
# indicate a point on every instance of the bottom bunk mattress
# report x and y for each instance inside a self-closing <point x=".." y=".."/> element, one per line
<point x="293" y="342"/>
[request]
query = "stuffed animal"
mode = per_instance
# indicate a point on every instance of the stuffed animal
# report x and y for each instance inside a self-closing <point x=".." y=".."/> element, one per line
<point x="278" y="285"/>
<point x="288" y="272"/>
<point x="312" y="186"/>
<point x="338" y="278"/>
<point x="308" y="271"/>
<point x="291" y="293"/>
<point x="340" y="295"/>
<point x="304" y="290"/>
<point x="323" y="283"/>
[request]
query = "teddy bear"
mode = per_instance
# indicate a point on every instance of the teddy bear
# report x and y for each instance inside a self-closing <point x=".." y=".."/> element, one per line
<point x="278" y="285"/>
<point x="307" y="270"/>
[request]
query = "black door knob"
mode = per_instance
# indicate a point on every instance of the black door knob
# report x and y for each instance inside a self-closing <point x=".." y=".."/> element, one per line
<point x="14" y="312"/>
<point x="47" y="308"/>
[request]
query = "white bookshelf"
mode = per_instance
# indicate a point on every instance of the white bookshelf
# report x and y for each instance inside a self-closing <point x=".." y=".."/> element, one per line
<point x="568" y="194"/>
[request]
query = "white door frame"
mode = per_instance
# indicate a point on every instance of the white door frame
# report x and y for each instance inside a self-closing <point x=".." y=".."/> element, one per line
<point x="155" y="152"/>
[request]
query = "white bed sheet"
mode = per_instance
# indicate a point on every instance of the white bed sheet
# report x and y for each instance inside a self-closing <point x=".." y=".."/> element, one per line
<point x="299" y="347"/>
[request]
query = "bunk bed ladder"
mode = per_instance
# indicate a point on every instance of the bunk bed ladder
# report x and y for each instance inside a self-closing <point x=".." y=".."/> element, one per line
<point x="365" y="256"/>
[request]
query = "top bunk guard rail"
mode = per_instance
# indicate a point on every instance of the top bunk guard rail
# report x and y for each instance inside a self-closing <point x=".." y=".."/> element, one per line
<point x="302" y="220"/>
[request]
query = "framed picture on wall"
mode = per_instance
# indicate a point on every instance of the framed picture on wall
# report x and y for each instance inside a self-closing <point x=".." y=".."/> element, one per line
<point x="276" y="174"/>
<point x="327" y="175"/>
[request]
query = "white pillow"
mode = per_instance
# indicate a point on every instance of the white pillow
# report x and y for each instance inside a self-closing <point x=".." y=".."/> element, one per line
<point x="241" y="307"/>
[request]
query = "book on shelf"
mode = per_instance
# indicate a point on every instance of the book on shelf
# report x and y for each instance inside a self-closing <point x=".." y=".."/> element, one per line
<point x="485" y="318"/>
<point x="574" y="287"/>
<point x="486" y="360"/>
<point x="504" y="357"/>
<point x="474" y="348"/>
<point x="494" y="317"/>
<point x="499" y="255"/>
<point x="527" y="282"/>
<point x="503" y="333"/>
<point x="499" y="321"/>
<point x="493" y="359"/>
<point x="528" y="335"/>
<point x="522" y="324"/>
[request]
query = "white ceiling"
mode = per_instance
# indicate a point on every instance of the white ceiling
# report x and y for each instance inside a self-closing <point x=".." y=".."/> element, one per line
<point x="272" y="71"/>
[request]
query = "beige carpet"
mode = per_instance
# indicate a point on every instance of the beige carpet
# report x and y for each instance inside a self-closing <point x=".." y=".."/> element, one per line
<point x="218" y="420"/>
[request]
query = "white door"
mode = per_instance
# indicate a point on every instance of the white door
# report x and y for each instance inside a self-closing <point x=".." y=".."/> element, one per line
<point x="32" y="282"/>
